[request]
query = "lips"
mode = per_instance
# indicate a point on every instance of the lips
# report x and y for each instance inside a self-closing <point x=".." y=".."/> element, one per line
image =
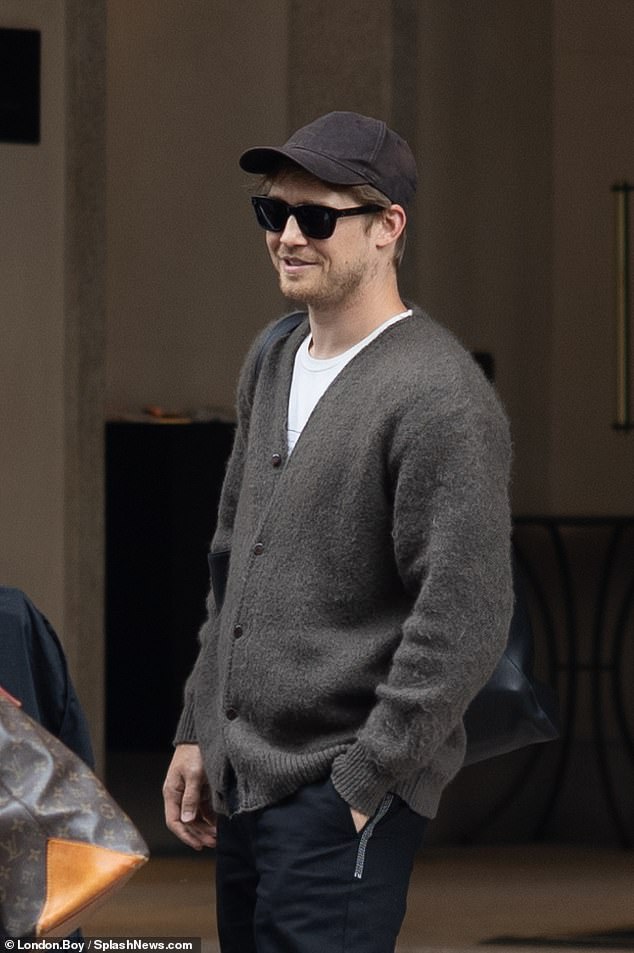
<point x="295" y="264"/>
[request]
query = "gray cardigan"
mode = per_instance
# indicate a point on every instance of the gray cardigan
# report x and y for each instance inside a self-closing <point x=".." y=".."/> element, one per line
<point x="369" y="591"/>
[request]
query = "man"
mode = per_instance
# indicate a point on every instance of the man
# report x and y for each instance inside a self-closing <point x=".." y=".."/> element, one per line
<point x="368" y="595"/>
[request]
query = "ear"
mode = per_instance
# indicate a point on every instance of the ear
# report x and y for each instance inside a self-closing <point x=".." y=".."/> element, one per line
<point x="389" y="225"/>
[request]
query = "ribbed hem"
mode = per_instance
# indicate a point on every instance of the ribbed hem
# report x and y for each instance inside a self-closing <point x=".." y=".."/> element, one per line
<point x="359" y="781"/>
<point x="186" y="728"/>
<point x="278" y="775"/>
<point x="422" y="793"/>
<point x="266" y="778"/>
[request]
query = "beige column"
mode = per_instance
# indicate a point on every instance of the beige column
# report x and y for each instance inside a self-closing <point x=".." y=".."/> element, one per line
<point x="84" y="353"/>
<point x="356" y="56"/>
<point x="339" y="58"/>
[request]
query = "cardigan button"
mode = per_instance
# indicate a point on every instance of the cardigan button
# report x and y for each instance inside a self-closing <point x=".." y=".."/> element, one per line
<point x="231" y="714"/>
<point x="276" y="459"/>
<point x="258" y="549"/>
<point x="237" y="631"/>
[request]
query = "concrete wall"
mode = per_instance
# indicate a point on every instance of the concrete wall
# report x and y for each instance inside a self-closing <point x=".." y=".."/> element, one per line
<point x="33" y="328"/>
<point x="484" y="248"/>
<point x="188" y="284"/>
<point x="593" y="119"/>
<point x="52" y="308"/>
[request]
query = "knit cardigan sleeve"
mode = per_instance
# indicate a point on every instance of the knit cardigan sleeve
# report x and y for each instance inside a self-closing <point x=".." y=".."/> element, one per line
<point x="451" y="532"/>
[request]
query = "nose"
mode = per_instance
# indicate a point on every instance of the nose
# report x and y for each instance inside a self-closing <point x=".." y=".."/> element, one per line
<point x="292" y="233"/>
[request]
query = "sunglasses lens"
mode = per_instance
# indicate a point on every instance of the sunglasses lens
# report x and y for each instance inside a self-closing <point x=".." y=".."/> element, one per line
<point x="316" y="221"/>
<point x="271" y="214"/>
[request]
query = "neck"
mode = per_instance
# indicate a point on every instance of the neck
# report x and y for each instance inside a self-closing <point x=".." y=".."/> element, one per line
<point x="335" y="329"/>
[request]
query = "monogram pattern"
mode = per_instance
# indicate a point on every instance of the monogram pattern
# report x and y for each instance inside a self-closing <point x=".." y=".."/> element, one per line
<point x="46" y="791"/>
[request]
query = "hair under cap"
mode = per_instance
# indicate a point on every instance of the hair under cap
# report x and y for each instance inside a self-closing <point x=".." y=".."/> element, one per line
<point x="345" y="148"/>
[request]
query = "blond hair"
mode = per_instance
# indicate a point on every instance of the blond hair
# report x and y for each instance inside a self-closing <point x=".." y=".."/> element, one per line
<point x="368" y="195"/>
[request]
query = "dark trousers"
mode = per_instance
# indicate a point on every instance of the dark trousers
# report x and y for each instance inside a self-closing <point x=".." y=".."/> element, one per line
<point x="296" y="877"/>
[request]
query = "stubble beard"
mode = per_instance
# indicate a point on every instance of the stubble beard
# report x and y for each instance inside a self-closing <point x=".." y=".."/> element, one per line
<point x="331" y="291"/>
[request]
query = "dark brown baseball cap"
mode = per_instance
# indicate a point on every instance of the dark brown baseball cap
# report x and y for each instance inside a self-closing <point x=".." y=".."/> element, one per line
<point x="345" y="148"/>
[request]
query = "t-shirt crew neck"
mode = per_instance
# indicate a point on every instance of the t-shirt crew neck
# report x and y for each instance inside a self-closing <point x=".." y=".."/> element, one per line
<point x="313" y="376"/>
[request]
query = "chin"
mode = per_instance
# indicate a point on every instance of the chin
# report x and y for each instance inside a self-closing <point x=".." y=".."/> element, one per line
<point x="293" y="292"/>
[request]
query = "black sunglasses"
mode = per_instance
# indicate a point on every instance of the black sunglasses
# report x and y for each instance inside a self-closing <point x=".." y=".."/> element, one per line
<point x="314" y="221"/>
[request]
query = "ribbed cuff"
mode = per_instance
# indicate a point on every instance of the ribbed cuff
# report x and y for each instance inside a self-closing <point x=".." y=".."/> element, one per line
<point x="358" y="780"/>
<point x="186" y="728"/>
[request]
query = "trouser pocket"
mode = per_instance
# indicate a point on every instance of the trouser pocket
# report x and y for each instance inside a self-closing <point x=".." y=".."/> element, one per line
<point x="285" y="875"/>
<point x="363" y="837"/>
<point x="367" y="832"/>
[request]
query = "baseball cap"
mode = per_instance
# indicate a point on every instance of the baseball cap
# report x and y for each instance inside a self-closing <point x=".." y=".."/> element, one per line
<point x="345" y="148"/>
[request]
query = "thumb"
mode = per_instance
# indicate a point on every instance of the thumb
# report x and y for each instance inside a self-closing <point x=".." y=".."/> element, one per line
<point x="191" y="801"/>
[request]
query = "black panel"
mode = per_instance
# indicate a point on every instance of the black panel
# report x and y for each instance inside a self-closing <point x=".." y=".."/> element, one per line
<point x="20" y="86"/>
<point x="163" y="484"/>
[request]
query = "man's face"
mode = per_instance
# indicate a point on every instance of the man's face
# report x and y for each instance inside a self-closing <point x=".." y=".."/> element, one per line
<point x="320" y="272"/>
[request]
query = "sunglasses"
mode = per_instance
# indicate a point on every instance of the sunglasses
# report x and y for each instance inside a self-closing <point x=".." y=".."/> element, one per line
<point x="314" y="221"/>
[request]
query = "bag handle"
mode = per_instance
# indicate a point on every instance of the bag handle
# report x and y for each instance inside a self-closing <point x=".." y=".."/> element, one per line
<point x="9" y="697"/>
<point x="278" y="330"/>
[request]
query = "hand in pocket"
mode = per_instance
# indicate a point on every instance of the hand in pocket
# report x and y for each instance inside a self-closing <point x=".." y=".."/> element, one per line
<point x="359" y="820"/>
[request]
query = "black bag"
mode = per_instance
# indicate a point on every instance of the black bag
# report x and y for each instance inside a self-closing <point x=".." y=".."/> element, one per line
<point x="514" y="709"/>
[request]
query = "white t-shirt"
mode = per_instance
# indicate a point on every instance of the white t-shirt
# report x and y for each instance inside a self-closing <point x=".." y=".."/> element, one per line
<point x="312" y="378"/>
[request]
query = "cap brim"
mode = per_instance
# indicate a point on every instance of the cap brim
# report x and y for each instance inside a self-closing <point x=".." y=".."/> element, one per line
<point x="263" y="159"/>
